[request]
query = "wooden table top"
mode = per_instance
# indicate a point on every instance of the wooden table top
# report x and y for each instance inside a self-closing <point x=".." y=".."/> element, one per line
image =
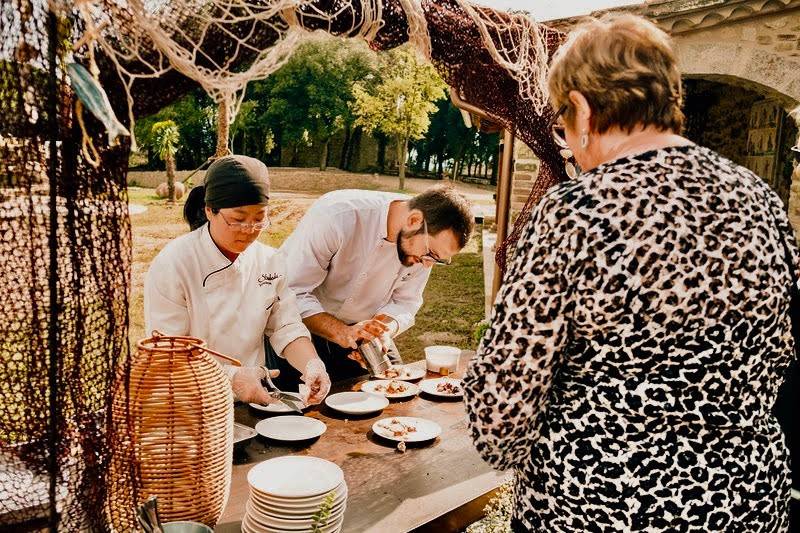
<point x="389" y="491"/>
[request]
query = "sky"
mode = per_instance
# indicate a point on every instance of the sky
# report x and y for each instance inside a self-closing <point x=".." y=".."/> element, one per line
<point x="553" y="9"/>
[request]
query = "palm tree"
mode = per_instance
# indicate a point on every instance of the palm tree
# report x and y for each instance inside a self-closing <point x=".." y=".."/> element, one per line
<point x="165" y="141"/>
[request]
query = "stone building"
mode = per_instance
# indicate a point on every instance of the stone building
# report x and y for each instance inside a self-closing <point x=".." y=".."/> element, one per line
<point x="741" y="65"/>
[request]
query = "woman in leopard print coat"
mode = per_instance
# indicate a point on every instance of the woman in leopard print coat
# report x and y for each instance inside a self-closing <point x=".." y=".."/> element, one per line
<point x="641" y="335"/>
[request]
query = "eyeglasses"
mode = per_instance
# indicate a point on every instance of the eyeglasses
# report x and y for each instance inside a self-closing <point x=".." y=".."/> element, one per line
<point x="245" y="226"/>
<point x="557" y="128"/>
<point x="427" y="257"/>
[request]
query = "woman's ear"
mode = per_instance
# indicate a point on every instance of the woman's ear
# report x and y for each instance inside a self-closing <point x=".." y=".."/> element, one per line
<point x="583" y="112"/>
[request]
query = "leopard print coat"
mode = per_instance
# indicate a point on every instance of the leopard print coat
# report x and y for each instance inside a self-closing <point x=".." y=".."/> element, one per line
<point x="636" y="349"/>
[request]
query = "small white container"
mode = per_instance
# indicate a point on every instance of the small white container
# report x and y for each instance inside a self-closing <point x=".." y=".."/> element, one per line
<point x="442" y="359"/>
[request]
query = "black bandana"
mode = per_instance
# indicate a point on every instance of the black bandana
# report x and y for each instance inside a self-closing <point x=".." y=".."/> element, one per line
<point x="236" y="180"/>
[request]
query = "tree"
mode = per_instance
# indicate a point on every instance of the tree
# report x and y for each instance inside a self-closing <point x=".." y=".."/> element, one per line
<point x="309" y="97"/>
<point x="165" y="140"/>
<point x="195" y="116"/>
<point x="399" y="105"/>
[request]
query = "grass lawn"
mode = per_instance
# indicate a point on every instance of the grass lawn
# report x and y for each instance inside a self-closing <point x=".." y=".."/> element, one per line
<point x="453" y="297"/>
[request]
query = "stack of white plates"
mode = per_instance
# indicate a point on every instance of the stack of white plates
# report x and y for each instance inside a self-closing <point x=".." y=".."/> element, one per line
<point x="286" y="493"/>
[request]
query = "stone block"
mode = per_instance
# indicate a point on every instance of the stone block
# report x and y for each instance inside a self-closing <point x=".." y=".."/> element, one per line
<point x="784" y="47"/>
<point x="764" y="39"/>
<point x="529" y="167"/>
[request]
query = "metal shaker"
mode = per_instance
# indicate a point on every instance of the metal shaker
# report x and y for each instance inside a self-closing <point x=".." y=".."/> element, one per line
<point x="379" y="362"/>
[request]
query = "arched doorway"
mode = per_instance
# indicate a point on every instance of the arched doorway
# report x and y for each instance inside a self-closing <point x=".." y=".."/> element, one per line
<point x="744" y="123"/>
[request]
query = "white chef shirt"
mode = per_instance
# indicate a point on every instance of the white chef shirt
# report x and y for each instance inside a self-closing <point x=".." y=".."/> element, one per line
<point x="341" y="263"/>
<point x="191" y="288"/>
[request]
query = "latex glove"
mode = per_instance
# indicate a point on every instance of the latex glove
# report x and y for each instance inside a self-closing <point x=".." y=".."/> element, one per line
<point x="247" y="387"/>
<point x="366" y="330"/>
<point x="317" y="382"/>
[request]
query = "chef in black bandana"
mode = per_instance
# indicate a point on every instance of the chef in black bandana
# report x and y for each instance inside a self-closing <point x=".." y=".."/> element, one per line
<point x="220" y="284"/>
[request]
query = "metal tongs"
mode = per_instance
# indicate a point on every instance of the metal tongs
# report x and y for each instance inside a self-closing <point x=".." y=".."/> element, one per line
<point x="292" y="400"/>
<point x="147" y="515"/>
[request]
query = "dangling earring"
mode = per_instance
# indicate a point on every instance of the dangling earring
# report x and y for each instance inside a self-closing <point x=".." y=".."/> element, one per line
<point x="584" y="140"/>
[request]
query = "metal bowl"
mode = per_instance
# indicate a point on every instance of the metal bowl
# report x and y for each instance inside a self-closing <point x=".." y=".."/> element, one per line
<point x="186" y="527"/>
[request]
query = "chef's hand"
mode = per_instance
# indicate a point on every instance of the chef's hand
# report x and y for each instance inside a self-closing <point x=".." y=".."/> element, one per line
<point x="317" y="383"/>
<point x="247" y="387"/>
<point x="366" y="330"/>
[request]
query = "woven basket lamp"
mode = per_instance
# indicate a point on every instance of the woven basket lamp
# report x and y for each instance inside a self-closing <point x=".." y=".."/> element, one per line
<point x="181" y="426"/>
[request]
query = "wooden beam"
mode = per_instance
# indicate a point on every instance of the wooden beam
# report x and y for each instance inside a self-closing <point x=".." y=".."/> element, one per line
<point x="503" y="209"/>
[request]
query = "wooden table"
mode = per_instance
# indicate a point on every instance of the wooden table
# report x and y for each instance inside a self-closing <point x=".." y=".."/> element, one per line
<point x="388" y="491"/>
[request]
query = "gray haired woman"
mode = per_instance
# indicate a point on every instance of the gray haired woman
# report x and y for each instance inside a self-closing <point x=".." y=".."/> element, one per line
<point x="638" y="343"/>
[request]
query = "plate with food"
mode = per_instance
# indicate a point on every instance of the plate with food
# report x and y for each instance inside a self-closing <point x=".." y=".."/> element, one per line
<point x="274" y="408"/>
<point x="443" y="387"/>
<point x="403" y="373"/>
<point x="391" y="388"/>
<point x="356" y="403"/>
<point x="406" y="429"/>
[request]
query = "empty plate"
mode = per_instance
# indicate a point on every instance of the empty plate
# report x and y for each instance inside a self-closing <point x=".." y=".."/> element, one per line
<point x="295" y="476"/>
<point x="444" y="387"/>
<point x="407" y="429"/>
<point x="393" y="389"/>
<point x="356" y="403"/>
<point x="291" y="428"/>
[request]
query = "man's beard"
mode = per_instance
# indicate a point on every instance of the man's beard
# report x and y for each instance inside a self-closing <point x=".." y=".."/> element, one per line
<point x="404" y="257"/>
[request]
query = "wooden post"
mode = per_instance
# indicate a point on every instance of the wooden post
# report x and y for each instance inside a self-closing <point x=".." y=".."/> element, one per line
<point x="222" y="128"/>
<point x="503" y="209"/>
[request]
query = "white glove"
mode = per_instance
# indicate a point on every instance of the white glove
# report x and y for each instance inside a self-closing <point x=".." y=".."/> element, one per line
<point x="247" y="387"/>
<point x="317" y="383"/>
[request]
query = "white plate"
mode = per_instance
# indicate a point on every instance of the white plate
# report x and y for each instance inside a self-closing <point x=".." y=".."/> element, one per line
<point x="294" y="505"/>
<point x="274" y="408"/>
<point x="372" y="388"/>
<point x="356" y="403"/>
<point x="426" y="429"/>
<point x="409" y="373"/>
<point x="293" y="523"/>
<point x="290" y="512"/>
<point x="250" y="525"/>
<point x="430" y="386"/>
<point x="295" y="476"/>
<point x="291" y="428"/>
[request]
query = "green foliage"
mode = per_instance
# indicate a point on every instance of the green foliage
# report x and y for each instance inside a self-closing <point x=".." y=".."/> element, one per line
<point x="498" y="512"/>
<point x="308" y="99"/>
<point x="194" y="114"/>
<point x="480" y="329"/>
<point x="165" y="139"/>
<point x="401" y="103"/>
<point x="318" y="521"/>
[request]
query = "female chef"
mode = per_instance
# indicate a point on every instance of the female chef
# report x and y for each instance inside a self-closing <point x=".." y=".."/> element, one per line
<point x="221" y="285"/>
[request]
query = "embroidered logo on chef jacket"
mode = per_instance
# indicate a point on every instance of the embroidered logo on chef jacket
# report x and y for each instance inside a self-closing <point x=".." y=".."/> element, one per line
<point x="407" y="276"/>
<point x="267" y="279"/>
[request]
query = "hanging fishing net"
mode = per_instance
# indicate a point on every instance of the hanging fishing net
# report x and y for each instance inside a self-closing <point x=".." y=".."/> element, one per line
<point x="66" y="238"/>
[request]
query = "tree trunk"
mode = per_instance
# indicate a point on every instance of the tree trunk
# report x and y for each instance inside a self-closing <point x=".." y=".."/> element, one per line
<point x="344" y="164"/>
<point x="323" y="158"/>
<point x="171" y="177"/>
<point x="222" y="129"/>
<point x="402" y="154"/>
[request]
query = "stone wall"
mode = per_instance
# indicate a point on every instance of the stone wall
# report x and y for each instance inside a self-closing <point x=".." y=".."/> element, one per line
<point x="525" y="168"/>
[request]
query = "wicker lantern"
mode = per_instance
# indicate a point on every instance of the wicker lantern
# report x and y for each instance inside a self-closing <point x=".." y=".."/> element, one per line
<point x="179" y="416"/>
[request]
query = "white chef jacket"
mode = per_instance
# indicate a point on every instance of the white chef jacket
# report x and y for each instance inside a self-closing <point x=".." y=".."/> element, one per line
<point x="191" y="288"/>
<point x="341" y="263"/>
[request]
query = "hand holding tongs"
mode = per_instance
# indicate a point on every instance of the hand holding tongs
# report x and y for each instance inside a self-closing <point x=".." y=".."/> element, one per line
<point x="291" y="399"/>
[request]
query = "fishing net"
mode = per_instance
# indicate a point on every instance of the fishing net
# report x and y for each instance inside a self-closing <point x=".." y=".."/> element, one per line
<point x="64" y="227"/>
<point x="66" y="250"/>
